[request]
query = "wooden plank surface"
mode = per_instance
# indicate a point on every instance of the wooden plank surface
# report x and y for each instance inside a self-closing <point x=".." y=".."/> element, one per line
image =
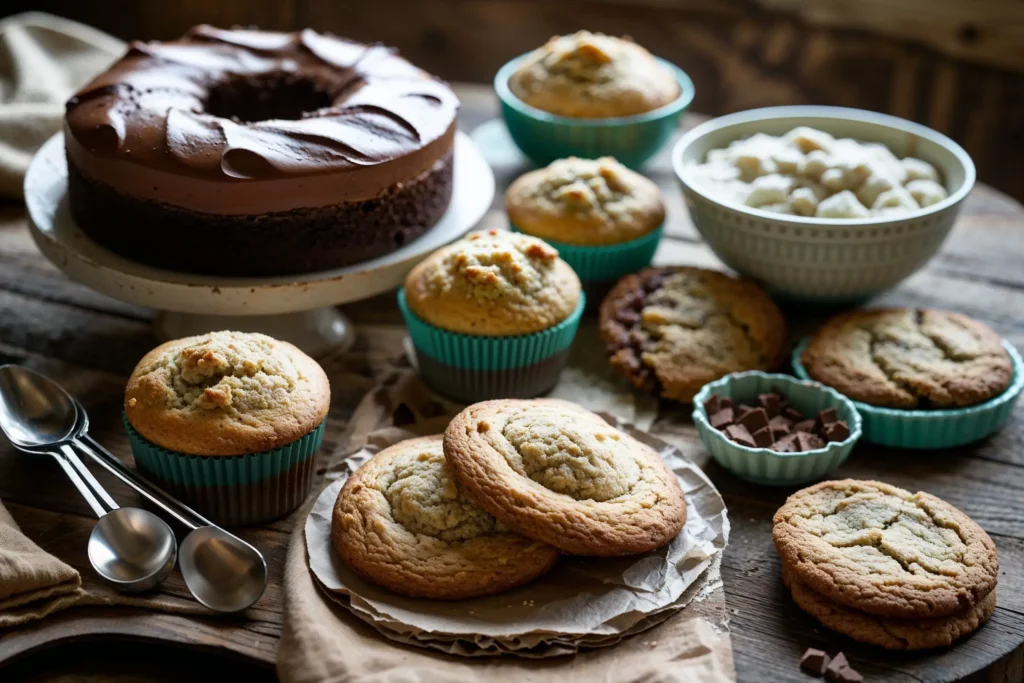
<point x="90" y="343"/>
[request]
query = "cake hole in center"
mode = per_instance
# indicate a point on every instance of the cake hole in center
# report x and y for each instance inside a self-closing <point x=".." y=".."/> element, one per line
<point x="261" y="97"/>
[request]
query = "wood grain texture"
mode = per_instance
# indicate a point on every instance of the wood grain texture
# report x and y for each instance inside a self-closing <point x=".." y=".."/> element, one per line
<point x="90" y="344"/>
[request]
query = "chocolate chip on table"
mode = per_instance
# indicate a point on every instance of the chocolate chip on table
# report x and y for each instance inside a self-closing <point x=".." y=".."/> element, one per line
<point x="740" y="435"/>
<point x="787" y="444"/>
<point x="809" y="442"/>
<point x="722" y="418"/>
<point x="827" y="416"/>
<point x="836" y="431"/>
<point x="771" y="402"/>
<point x="763" y="437"/>
<point x="815" y="661"/>
<point x="805" y="426"/>
<point x="754" y="420"/>
<point x="780" y="426"/>
<point x="840" y="671"/>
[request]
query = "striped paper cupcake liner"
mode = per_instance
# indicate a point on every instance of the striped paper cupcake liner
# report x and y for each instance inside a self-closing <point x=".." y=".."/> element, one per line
<point x="476" y="368"/>
<point x="763" y="465"/>
<point x="234" y="490"/>
<point x="926" y="429"/>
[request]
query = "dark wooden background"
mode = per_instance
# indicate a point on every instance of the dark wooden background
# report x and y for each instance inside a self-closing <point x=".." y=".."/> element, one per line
<point x="954" y="65"/>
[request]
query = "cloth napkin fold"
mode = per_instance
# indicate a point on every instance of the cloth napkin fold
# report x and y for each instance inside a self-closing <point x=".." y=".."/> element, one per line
<point x="33" y="583"/>
<point x="43" y="60"/>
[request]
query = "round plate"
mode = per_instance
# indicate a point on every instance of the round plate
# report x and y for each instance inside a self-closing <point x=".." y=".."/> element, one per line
<point x="64" y="243"/>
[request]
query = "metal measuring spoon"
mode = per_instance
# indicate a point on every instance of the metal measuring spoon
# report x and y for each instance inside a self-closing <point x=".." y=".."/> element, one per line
<point x="222" y="571"/>
<point x="131" y="548"/>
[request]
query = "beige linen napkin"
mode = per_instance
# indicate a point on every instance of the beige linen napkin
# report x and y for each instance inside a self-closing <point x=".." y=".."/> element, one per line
<point x="43" y="60"/>
<point x="33" y="583"/>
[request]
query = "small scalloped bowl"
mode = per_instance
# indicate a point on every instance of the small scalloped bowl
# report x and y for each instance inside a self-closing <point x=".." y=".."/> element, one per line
<point x="925" y="429"/>
<point x="763" y="465"/>
<point x="632" y="140"/>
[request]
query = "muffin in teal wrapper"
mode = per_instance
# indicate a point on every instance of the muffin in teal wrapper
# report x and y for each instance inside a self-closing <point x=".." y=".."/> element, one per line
<point x="492" y="316"/>
<point x="229" y="423"/>
<point x="942" y="428"/>
<point x="764" y="465"/>
<point x="591" y="95"/>
<point x="605" y="220"/>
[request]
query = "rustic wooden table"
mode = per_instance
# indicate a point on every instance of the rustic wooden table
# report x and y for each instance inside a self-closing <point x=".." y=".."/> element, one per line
<point x="91" y="343"/>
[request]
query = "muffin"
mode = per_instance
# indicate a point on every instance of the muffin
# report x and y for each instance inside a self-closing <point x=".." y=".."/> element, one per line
<point x="593" y="76"/>
<point x="672" y="330"/>
<point x="909" y="358"/>
<point x="604" y="219"/>
<point x="492" y="315"/>
<point x="403" y="522"/>
<point x="229" y="423"/>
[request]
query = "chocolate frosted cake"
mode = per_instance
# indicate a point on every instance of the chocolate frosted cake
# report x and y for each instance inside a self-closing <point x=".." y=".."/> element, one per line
<point x="250" y="153"/>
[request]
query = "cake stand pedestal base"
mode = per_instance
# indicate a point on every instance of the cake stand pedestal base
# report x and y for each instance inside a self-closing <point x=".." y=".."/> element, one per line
<point x="317" y="332"/>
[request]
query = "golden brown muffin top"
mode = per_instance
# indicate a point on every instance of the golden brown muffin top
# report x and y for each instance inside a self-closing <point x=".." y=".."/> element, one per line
<point x="585" y="202"/>
<point x="226" y="393"/>
<point x="493" y="283"/>
<point x="593" y="76"/>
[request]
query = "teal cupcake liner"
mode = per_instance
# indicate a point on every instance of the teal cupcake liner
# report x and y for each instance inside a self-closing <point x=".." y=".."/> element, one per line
<point x="763" y="465"/>
<point x="633" y="140"/>
<point x="476" y="368"/>
<point x="926" y="429"/>
<point x="608" y="263"/>
<point x="233" y="490"/>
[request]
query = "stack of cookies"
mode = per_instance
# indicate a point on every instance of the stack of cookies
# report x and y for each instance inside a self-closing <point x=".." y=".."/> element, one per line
<point x="493" y="502"/>
<point x="900" y="570"/>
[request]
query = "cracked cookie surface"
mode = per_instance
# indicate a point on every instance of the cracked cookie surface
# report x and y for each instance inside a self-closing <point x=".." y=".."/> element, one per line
<point x="887" y="632"/>
<point x="585" y="202"/>
<point x="883" y="550"/>
<point x="559" y="473"/>
<point x="493" y="283"/>
<point x="403" y="522"/>
<point x="226" y="393"/>
<point x="909" y="358"/>
<point x="672" y="330"/>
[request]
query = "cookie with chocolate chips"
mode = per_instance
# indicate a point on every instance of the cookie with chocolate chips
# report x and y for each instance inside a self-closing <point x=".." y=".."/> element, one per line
<point x="909" y="358"/>
<point x="671" y="330"/>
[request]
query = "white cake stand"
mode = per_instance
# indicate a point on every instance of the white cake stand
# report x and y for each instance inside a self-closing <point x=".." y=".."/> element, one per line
<point x="297" y="308"/>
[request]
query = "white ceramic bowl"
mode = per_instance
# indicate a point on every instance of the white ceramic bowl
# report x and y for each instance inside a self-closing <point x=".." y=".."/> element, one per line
<point x="822" y="259"/>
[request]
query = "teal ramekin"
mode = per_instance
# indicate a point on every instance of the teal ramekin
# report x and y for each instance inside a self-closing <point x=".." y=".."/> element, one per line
<point x="632" y="140"/>
<point x="234" y="490"/>
<point x="600" y="267"/>
<point x="763" y="465"/>
<point x="945" y="428"/>
<point x="472" y="368"/>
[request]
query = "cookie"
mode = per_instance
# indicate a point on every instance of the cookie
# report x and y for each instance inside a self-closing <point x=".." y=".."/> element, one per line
<point x="560" y="474"/>
<point x="585" y="202"/>
<point x="886" y="551"/>
<point x="402" y="522"/>
<point x="592" y="76"/>
<point x="493" y="283"/>
<point x="887" y="632"/>
<point x="909" y="358"/>
<point x="672" y="330"/>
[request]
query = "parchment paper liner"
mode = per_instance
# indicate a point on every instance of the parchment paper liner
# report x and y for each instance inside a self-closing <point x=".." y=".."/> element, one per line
<point x="583" y="602"/>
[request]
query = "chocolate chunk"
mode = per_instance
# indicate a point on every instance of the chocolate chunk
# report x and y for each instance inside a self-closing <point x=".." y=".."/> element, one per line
<point x="712" y="405"/>
<point x="809" y="442"/>
<point x="839" y="670"/>
<point x="838" y="662"/>
<point x="754" y="420"/>
<point x="742" y="409"/>
<point x="740" y="435"/>
<point x="725" y="402"/>
<point x="814" y="661"/>
<point x="772" y="403"/>
<point x="787" y="444"/>
<point x="791" y="413"/>
<point x="827" y="416"/>
<point x="721" y="419"/>
<point x="780" y="426"/>
<point x="763" y="437"/>
<point x="804" y="426"/>
<point x="836" y="431"/>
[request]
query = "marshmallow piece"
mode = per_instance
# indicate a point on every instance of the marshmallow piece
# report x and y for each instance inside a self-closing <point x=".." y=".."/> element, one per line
<point x="926" y="192"/>
<point x="787" y="160"/>
<point x="769" y="189"/>
<point x="813" y="165"/>
<point x="918" y="169"/>
<point x="897" y="197"/>
<point x="835" y="180"/>
<point x="876" y="184"/>
<point x="808" y="139"/>
<point x="842" y="205"/>
<point x="804" y="201"/>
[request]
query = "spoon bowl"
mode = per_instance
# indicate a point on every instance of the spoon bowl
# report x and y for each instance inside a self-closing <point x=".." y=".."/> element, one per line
<point x="133" y="549"/>
<point x="34" y="413"/>
<point x="221" y="570"/>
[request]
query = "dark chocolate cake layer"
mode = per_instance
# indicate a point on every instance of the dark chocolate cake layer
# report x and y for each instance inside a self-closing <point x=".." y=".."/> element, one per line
<point x="279" y="243"/>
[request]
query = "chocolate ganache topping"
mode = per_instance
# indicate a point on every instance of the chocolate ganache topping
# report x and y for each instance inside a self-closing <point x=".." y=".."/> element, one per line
<point x="243" y="122"/>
